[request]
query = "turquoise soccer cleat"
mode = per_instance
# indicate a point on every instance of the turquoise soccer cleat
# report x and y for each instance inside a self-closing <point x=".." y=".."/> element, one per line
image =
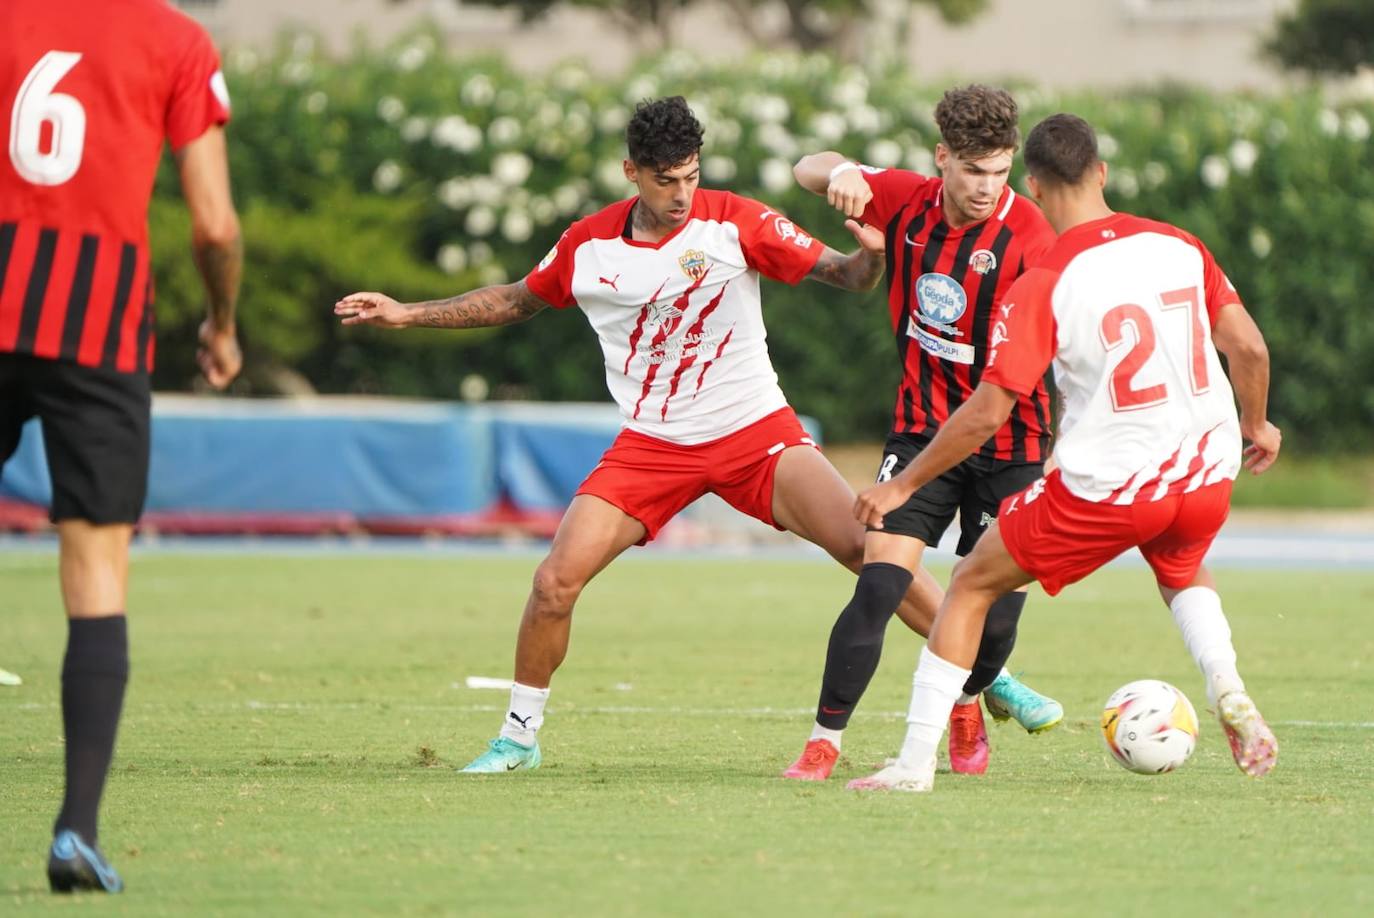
<point x="504" y="755"/>
<point x="74" y="865"/>
<point x="1007" y="698"/>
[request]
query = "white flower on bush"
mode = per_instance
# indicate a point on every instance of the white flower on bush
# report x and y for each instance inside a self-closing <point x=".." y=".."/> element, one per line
<point x="1123" y="181"/>
<point x="1356" y="127"/>
<point x="387" y="176"/>
<point x="517" y="226"/>
<point x="479" y="253"/>
<point x="481" y="220"/>
<point x="769" y="109"/>
<point x="414" y="129"/>
<point x="1154" y="174"/>
<point x="920" y="160"/>
<point x="542" y="210"/>
<point x="486" y="190"/>
<point x="611" y="175"/>
<point x="454" y="132"/>
<point x="455" y="193"/>
<point x="478" y="90"/>
<point x="1260" y="243"/>
<point x="511" y="168"/>
<point x="504" y="131"/>
<point x="571" y="77"/>
<point x="613" y="119"/>
<point x="1216" y="172"/>
<point x="474" y="388"/>
<point x="851" y="91"/>
<point x="830" y="127"/>
<point x="577" y="128"/>
<point x="390" y="109"/>
<point x="1277" y="132"/>
<point x="678" y="64"/>
<point x="493" y="274"/>
<point x="316" y="103"/>
<point x="411" y="58"/>
<point x="644" y="86"/>
<point x="451" y="258"/>
<point x="1107" y="147"/>
<point x="296" y="72"/>
<point x="725" y="132"/>
<point x="567" y="198"/>
<point x="885" y="153"/>
<point x="243" y="60"/>
<point x="775" y="175"/>
<point x="719" y="169"/>
<point x="549" y="115"/>
<point x="777" y="140"/>
<point x="865" y="119"/>
<point x="1243" y="155"/>
<point x="1329" y="122"/>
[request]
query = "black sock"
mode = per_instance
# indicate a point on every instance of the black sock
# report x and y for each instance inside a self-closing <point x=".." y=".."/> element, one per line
<point x="856" y="641"/>
<point x="94" y="673"/>
<point x="999" y="636"/>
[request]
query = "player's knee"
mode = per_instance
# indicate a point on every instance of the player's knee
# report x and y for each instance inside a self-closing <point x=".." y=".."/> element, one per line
<point x="880" y="590"/>
<point x="555" y="589"/>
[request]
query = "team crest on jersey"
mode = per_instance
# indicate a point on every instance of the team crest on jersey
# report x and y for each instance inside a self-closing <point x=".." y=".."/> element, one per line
<point x="982" y="261"/>
<point x="941" y="300"/>
<point x="693" y="263"/>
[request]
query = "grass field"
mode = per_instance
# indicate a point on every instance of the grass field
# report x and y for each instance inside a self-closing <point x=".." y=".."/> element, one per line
<point x="293" y="723"/>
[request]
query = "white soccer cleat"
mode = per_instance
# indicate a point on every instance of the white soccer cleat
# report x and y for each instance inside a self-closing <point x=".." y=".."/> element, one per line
<point x="899" y="777"/>
<point x="1252" y="742"/>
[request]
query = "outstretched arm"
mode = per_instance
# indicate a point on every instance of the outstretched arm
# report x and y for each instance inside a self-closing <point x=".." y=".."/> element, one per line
<point x="859" y="270"/>
<point x="504" y="304"/>
<point x="1247" y="359"/>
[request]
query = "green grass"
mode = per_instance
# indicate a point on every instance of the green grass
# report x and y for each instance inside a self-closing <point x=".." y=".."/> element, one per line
<point x="1310" y="483"/>
<point x="292" y="725"/>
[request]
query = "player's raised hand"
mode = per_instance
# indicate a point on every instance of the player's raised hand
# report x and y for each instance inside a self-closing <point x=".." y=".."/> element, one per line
<point x="878" y="501"/>
<point x="849" y="193"/>
<point x="371" y="309"/>
<point x="870" y="237"/>
<point x="219" y="356"/>
<point x="1265" y="443"/>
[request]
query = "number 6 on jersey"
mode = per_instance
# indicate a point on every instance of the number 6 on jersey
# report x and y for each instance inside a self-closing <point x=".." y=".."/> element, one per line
<point x="36" y="105"/>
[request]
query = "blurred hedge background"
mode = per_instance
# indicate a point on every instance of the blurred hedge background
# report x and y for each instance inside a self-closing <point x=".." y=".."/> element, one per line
<point x="405" y="170"/>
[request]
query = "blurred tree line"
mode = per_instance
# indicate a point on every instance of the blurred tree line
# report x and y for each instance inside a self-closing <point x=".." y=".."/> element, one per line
<point x="408" y="171"/>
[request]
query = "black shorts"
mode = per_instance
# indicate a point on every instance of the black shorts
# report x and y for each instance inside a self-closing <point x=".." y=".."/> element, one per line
<point x="95" y="434"/>
<point x="975" y="488"/>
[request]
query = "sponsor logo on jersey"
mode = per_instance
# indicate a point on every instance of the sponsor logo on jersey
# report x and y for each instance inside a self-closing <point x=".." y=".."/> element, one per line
<point x="787" y="230"/>
<point x="953" y="351"/>
<point x="548" y="259"/>
<point x="942" y="301"/>
<point x="982" y="261"/>
<point x="693" y="263"/>
<point x="999" y="334"/>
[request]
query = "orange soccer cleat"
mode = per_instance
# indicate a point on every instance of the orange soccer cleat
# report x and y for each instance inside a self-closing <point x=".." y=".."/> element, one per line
<point x="815" y="763"/>
<point x="968" y="739"/>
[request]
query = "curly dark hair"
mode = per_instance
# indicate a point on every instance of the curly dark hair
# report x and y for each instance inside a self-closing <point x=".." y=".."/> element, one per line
<point x="663" y="133"/>
<point x="977" y="120"/>
<point x="1061" y="149"/>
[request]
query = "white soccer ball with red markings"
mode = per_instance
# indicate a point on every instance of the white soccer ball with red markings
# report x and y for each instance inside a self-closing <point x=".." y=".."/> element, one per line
<point x="1149" y="726"/>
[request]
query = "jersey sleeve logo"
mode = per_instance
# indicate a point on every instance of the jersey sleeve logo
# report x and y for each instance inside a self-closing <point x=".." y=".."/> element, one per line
<point x="548" y="259"/>
<point x="693" y="264"/>
<point x="220" y="88"/>
<point x="942" y="301"/>
<point x="787" y="230"/>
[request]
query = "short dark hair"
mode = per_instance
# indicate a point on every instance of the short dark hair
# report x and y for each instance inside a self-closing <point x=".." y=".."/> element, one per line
<point x="977" y="120"/>
<point x="663" y="133"/>
<point x="1061" y="149"/>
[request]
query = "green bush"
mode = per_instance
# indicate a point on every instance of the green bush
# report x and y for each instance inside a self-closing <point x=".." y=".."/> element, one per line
<point x="410" y="171"/>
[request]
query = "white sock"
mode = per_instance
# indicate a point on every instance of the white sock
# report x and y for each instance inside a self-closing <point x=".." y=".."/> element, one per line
<point x="934" y="688"/>
<point x="1197" y="612"/>
<point x="832" y="737"/>
<point x="966" y="698"/>
<point x="526" y="714"/>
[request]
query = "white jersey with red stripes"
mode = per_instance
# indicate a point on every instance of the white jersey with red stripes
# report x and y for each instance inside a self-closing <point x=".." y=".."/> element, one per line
<point x="1124" y="308"/>
<point x="680" y="320"/>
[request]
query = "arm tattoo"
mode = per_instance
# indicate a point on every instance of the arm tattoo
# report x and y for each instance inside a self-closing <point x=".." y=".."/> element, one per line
<point x="488" y="306"/>
<point x="221" y="266"/>
<point x="859" y="271"/>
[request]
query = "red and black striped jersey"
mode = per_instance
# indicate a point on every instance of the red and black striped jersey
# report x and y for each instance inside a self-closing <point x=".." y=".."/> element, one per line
<point x="945" y="287"/>
<point x="89" y="90"/>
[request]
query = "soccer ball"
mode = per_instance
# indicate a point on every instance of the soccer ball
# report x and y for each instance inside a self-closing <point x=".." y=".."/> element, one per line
<point x="1149" y="726"/>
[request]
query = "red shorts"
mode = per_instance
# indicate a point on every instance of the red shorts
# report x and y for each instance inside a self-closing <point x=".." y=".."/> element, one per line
<point x="1059" y="538"/>
<point x="652" y="479"/>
